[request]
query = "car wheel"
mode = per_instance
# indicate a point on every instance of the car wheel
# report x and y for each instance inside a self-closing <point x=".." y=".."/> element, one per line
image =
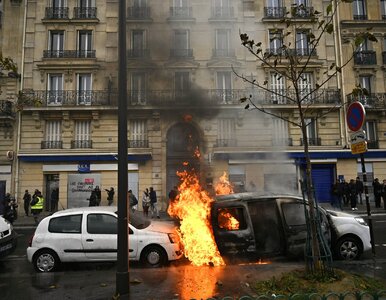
<point x="46" y="261"/>
<point x="154" y="256"/>
<point x="348" y="248"/>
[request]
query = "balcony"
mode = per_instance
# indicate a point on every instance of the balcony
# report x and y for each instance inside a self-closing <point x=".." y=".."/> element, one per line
<point x="85" y="13"/>
<point x="312" y="141"/>
<point x="51" y="145"/>
<point x="222" y="12"/>
<point x="372" y="101"/>
<point x="274" y="12"/>
<point x="55" y="13"/>
<point x="282" y="142"/>
<point x="360" y="17"/>
<point x="138" y="53"/>
<point x="138" y="13"/>
<point x="225" y="143"/>
<point x="81" y="144"/>
<point x="68" y="53"/>
<point x="138" y="143"/>
<point x="223" y="52"/>
<point x="177" y="12"/>
<point x="181" y="53"/>
<point x="6" y="109"/>
<point x="285" y="53"/>
<point x="365" y="58"/>
<point x="374" y="144"/>
<point x="302" y="12"/>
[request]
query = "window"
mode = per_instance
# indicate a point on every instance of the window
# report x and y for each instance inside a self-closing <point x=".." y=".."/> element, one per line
<point x="139" y="3"/>
<point x="274" y="9"/>
<point x="180" y="3"/>
<point x="180" y="8"/>
<point x="359" y="10"/>
<point x="138" y="134"/>
<point x="222" y="42"/>
<point x="86" y="3"/>
<point x="59" y="9"/>
<point x="224" y="86"/>
<point x="55" y="89"/>
<point x="181" y="82"/>
<point x="85" y="43"/>
<point x="275" y="41"/>
<point x="84" y="89"/>
<point x="365" y="84"/>
<point x="226" y="133"/>
<point x="53" y="136"/>
<point x="383" y="9"/>
<point x="274" y="3"/>
<point x="294" y="214"/>
<point x="82" y="134"/>
<point x="277" y="87"/>
<point x="138" y="88"/>
<point x="231" y="218"/>
<point x="280" y="132"/>
<point x="371" y="134"/>
<point x="302" y="9"/>
<point x="138" y="43"/>
<point x="101" y="224"/>
<point x="59" y="3"/>
<point x="221" y="8"/>
<point x="305" y="86"/>
<point x="302" y="43"/>
<point x="311" y="129"/>
<point x="65" y="224"/>
<point x="56" y="44"/>
<point x="181" y="43"/>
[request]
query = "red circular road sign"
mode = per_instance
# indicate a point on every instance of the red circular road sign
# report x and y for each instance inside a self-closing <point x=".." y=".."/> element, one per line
<point x="355" y="116"/>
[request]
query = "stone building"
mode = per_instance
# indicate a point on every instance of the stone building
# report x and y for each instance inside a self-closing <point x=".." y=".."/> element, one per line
<point x="186" y="69"/>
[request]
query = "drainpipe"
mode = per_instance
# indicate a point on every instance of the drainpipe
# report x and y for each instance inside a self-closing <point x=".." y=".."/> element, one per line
<point x="18" y="114"/>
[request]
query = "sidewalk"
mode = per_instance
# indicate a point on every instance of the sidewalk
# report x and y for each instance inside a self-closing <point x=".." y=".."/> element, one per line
<point x="362" y="209"/>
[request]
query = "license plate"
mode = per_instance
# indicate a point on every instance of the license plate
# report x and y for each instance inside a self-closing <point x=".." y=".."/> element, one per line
<point x="6" y="247"/>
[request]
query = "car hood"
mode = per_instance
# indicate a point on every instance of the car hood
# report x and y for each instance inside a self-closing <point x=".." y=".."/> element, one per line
<point x="340" y="214"/>
<point x="161" y="226"/>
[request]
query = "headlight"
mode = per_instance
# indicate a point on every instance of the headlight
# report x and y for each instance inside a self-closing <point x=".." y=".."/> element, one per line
<point x="361" y="221"/>
<point x="173" y="238"/>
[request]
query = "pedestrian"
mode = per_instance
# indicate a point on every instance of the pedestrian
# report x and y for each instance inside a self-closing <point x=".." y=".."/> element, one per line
<point x="336" y="197"/>
<point x="360" y="189"/>
<point x="353" y="194"/>
<point x="37" y="205"/>
<point x="10" y="208"/>
<point x="172" y="196"/>
<point x="98" y="195"/>
<point x="346" y="192"/>
<point x="153" y="203"/>
<point x="27" y="202"/>
<point x="384" y="193"/>
<point x="146" y="202"/>
<point x="110" y="195"/>
<point x="54" y="199"/>
<point x="92" y="199"/>
<point x="133" y="201"/>
<point x="377" y="186"/>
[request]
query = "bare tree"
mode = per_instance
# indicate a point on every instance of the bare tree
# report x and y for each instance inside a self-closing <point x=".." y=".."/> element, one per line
<point x="291" y="63"/>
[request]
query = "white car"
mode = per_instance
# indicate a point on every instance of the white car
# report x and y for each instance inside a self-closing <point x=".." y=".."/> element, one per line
<point x="90" y="234"/>
<point x="8" y="238"/>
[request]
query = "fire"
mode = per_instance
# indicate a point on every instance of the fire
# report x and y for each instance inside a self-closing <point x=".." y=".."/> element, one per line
<point x="193" y="211"/>
<point x="223" y="187"/>
<point x="227" y="221"/>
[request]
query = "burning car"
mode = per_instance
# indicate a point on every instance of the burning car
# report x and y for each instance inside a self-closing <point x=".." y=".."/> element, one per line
<point x="270" y="225"/>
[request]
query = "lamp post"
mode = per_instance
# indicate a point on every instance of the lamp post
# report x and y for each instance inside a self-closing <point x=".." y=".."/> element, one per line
<point x="122" y="275"/>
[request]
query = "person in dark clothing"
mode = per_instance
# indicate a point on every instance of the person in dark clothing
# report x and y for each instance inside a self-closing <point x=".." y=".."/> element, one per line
<point x="172" y="196"/>
<point x="377" y="192"/>
<point x="336" y="191"/>
<point x="384" y="193"/>
<point x="360" y="189"/>
<point x="93" y="199"/>
<point x="353" y="194"/>
<point x="27" y="201"/>
<point x="110" y="195"/>
<point x="10" y="208"/>
<point x="346" y="193"/>
<point x="54" y="199"/>
<point x="98" y="195"/>
<point x="153" y="203"/>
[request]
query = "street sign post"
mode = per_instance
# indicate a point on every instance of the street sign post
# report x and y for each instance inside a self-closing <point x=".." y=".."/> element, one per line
<point x="355" y="116"/>
<point x="357" y="137"/>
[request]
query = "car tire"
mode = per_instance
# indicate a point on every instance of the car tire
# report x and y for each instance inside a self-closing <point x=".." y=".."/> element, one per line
<point x="154" y="256"/>
<point x="348" y="248"/>
<point x="45" y="260"/>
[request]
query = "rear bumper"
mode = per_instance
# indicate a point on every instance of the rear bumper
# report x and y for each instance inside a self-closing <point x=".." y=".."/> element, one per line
<point x="8" y="244"/>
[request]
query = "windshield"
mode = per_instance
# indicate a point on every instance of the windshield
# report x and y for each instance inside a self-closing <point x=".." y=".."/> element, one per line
<point x="137" y="220"/>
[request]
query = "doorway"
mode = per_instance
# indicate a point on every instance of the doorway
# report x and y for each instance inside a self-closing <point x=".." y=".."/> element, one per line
<point x="52" y="182"/>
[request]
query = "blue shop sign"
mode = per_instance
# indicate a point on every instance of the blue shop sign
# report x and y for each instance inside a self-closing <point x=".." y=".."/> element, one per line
<point x="84" y="167"/>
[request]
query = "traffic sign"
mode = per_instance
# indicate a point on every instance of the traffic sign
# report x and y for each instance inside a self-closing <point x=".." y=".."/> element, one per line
<point x="355" y="116"/>
<point x="359" y="148"/>
<point x="358" y="137"/>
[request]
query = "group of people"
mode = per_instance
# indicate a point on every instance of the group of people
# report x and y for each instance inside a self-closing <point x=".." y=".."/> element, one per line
<point x="96" y="196"/>
<point x="9" y="208"/>
<point x="350" y="193"/>
<point x="36" y="202"/>
<point x="149" y="203"/>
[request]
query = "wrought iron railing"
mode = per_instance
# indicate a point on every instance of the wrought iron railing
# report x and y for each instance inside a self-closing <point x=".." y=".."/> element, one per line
<point x="223" y="52"/>
<point x="6" y="108"/>
<point x="365" y="57"/>
<point x="138" y="53"/>
<point x="317" y="141"/>
<point x="374" y="100"/>
<point x="285" y="53"/>
<point x="181" y="53"/>
<point x="56" y="13"/>
<point x="373" y="144"/>
<point x="138" y="143"/>
<point x="302" y="11"/>
<point x="68" y="53"/>
<point x="274" y="12"/>
<point x="51" y="144"/>
<point x="180" y="12"/>
<point x="226" y="143"/>
<point x="138" y="13"/>
<point x="360" y="17"/>
<point x="179" y="97"/>
<point x="85" y="12"/>
<point x="221" y="12"/>
<point x="81" y="144"/>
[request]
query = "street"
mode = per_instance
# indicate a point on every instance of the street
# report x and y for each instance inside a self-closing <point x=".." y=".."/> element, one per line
<point x="180" y="280"/>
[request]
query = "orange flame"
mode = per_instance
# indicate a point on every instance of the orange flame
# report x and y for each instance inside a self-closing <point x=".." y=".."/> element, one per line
<point x="223" y="187"/>
<point x="227" y="221"/>
<point x="197" y="153"/>
<point x="193" y="209"/>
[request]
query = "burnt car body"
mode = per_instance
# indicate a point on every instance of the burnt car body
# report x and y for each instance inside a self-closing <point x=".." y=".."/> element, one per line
<point x="273" y="225"/>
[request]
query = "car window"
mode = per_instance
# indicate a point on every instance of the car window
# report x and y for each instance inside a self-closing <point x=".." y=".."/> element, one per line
<point x="102" y="224"/>
<point x="231" y="218"/>
<point x="294" y="214"/>
<point x="137" y="220"/>
<point x="65" y="224"/>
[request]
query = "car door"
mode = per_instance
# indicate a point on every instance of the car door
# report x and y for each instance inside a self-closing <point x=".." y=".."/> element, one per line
<point x="99" y="236"/>
<point x="232" y="228"/>
<point x="134" y="238"/>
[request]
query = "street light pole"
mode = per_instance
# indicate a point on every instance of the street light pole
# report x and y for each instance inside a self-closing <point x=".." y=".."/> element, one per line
<point x="122" y="275"/>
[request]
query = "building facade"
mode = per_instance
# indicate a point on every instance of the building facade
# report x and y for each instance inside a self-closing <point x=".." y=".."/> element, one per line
<point x="186" y="69"/>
